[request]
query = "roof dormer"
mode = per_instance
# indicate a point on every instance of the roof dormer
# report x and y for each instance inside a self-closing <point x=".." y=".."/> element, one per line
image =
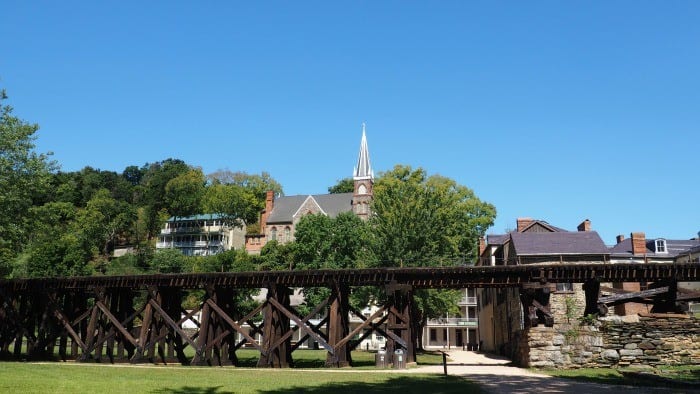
<point x="660" y="246"/>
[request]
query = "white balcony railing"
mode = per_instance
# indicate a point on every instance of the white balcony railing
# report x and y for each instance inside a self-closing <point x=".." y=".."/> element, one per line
<point x="468" y="301"/>
<point x="454" y="321"/>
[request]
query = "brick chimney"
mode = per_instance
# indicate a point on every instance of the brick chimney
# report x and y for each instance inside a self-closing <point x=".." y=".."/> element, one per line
<point x="523" y="223"/>
<point x="482" y="245"/>
<point x="584" y="226"/>
<point x="639" y="243"/>
<point x="620" y="238"/>
<point x="269" y="204"/>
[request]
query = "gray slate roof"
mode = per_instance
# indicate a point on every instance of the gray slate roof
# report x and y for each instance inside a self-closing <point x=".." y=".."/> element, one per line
<point x="496" y="239"/>
<point x="332" y="204"/>
<point x="674" y="247"/>
<point x="558" y="243"/>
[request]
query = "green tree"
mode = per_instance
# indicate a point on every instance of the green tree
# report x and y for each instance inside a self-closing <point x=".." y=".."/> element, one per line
<point x="336" y="243"/>
<point x="108" y="219"/>
<point x="25" y="176"/>
<point x="276" y="257"/>
<point x="168" y="261"/>
<point x="234" y="204"/>
<point x="322" y="242"/>
<point x="183" y="194"/>
<point x="254" y="184"/>
<point x="345" y="185"/>
<point x="427" y="221"/>
<point x="151" y="193"/>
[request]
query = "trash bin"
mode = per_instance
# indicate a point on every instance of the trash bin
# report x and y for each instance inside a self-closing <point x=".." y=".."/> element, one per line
<point x="399" y="359"/>
<point x="380" y="359"/>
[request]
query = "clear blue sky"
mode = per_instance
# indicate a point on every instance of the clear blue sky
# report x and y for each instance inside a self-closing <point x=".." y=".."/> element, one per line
<point x="554" y="110"/>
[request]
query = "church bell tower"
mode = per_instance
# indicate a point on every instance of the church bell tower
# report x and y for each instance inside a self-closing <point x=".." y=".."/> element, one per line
<point x="363" y="178"/>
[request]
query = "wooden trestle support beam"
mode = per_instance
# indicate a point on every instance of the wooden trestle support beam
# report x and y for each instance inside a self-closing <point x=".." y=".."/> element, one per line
<point x="140" y="319"/>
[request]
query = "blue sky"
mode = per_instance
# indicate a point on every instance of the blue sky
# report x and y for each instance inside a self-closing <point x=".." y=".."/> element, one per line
<point x="555" y="110"/>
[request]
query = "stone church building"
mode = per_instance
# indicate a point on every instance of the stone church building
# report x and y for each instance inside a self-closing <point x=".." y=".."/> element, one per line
<point x="282" y="213"/>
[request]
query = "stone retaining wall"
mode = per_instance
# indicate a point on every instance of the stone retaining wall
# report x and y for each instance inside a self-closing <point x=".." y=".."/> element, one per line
<point x="615" y="341"/>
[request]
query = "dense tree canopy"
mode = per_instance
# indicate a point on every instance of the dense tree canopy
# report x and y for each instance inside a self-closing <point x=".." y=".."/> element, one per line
<point x="184" y="193"/>
<point x="24" y="180"/>
<point x="422" y="220"/>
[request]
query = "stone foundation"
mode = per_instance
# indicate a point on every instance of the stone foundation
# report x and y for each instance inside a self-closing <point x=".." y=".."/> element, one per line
<point x="615" y="341"/>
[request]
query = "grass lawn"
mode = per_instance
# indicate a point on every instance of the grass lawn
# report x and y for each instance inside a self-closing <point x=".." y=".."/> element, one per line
<point x="680" y="375"/>
<point x="305" y="358"/>
<point x="58" y="377"/>
<point x="317" y="358"/>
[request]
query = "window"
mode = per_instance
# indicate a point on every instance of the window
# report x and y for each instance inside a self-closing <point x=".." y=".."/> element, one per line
<point x="273" y="234"/>
<point x="565" y="287"/>
<point x="433" y="335"/>
<point x="287" y="234"/>
<point x="661" y="246"/>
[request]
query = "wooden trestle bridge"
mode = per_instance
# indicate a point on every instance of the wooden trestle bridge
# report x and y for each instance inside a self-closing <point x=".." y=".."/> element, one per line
<point x="139" y="318"/>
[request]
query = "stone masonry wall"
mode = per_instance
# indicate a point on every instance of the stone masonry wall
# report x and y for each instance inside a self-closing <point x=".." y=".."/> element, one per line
<point x="613" y="341"/>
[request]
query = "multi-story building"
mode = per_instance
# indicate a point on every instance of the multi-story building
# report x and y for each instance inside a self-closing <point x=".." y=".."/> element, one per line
<point x="200" y="235"/>
<point x="500" y="311"/>
<point x="455" y="331"/>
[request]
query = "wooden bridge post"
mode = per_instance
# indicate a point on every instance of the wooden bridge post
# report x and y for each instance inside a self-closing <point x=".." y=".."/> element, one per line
<point x="142" y="347"/>
<point x="276" y="324"/>
<point x="592" y="289"/>
<point x="667" y="302"/>
<point x="171" y="303"/>
<point x="124" y="310"/>
<point x="202" y="357"/>
<point x="226" y="297"/>
<point x="5" y="323"/>
<point x="339" y="325"/>
<point x="46" y="333"/>
<point x="400" y="298"/>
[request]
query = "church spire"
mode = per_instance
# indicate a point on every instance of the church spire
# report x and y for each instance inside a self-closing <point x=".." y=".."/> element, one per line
<point x="363" y="170"/>
<point x="363" y="178"/>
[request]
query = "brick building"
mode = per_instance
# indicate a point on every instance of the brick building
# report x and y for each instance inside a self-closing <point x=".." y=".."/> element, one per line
<point x="282" y="213"/>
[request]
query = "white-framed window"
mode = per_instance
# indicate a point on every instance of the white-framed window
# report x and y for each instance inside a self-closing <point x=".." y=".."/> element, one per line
<point x="273" y="234"/>
<point x="661" y="246"/>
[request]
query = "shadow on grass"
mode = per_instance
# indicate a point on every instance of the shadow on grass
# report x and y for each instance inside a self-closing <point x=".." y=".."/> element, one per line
<point x="403" y="384"/>
<point x="560" y="384"/>
<point x="192" y="390"/>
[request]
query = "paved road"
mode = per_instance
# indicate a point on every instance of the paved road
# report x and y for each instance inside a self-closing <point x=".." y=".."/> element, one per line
<point x="495" y="375"/>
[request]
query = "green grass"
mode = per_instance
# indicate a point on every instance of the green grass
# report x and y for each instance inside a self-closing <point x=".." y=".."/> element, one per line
<point x="57" y="378"/>
<point x="678" y="375"/>
<point x="303" y="358"/>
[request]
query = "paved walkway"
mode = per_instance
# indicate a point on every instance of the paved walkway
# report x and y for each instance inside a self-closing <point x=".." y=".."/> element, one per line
<point x="495" y="375"/>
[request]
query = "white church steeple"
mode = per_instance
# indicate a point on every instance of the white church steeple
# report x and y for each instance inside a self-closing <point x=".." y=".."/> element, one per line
<point x="363" y="169"/>
<point x="363" y="178"/>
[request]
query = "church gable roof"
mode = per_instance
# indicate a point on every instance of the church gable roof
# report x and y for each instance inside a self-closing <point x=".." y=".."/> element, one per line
<point x="287" y="207"/>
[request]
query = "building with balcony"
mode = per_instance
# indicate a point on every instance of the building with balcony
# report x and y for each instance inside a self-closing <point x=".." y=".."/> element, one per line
<point x="200" y="235"/>
<point x="455" y="331"/>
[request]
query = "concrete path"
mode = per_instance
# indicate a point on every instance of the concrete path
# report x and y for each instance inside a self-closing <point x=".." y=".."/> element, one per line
<point x="495" y="375"/>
